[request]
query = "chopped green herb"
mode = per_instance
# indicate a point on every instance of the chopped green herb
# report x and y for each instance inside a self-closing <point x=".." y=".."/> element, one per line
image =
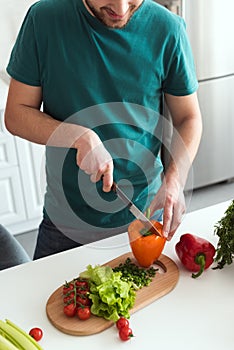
<point x="139" y="276"/>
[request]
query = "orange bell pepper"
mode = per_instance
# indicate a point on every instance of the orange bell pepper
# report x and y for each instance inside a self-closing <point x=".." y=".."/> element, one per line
<point x="146" y="247"/>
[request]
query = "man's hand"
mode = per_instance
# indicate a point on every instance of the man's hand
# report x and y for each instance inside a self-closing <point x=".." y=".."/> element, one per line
<point x="94" y="159"/>
<point x="170" y="197"/>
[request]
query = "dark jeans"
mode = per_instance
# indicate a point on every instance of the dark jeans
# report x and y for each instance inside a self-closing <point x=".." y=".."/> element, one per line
<point x="51" y="241"/>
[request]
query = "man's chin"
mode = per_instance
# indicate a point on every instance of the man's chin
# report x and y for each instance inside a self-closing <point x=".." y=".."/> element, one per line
<point x="115" y="24"/>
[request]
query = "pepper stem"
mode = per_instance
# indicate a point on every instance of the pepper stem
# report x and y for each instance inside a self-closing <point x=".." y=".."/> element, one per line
<point x="145" y="231"/>
<point x="200" y="259"/>
<point x="147" y="213"/>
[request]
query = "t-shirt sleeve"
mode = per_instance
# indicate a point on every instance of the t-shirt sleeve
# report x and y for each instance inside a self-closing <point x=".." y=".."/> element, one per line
<point x="24" y="64"/>
<point x="181" y="74"/>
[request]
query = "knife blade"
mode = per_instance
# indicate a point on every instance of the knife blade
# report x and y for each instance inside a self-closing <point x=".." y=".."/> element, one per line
<point x="134" y="210"/>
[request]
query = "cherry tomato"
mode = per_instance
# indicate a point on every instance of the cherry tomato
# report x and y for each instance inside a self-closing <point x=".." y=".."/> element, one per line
<point x="70" y="310"/>
<point x="83" y="291"/>
<point x="36" y="333"/>
<point x="67" y="287"/>
<point x="122" y="322"/>
<point x="68" y="300"/>
<point x="82" y="300"/>
<point x="125" y="333"/>
<point x="70" y="295"/>
<point x="82" y="283"/>
<point x="83" y="313"/>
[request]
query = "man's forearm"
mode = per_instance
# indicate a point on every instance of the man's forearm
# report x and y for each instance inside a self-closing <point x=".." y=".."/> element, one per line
<point x="36" y="126"/>
<point x="187" y="130"/>
<point x="23" y="118"/>
<point x="184" y="146"/>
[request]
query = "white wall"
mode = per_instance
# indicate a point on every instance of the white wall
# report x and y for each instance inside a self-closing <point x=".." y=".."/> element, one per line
<point x="12" y="13"/>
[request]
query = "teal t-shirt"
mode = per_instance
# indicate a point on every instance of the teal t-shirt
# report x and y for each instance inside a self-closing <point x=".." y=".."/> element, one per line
<point x="110" y="80"/>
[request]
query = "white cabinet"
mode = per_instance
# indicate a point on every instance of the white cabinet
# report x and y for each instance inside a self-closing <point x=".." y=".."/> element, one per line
<point x="31" y="160"/>
<point x="22" y="182"/>
<point x="12" y="202"/>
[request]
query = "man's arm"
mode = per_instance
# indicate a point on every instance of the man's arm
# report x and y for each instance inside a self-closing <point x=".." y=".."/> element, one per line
<point x="187" y="129"/>
<point x="23" y="118"/>
<point x="187" y="124"/>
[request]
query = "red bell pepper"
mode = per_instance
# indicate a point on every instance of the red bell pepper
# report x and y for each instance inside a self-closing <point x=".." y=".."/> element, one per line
<point x="195" y="253"/>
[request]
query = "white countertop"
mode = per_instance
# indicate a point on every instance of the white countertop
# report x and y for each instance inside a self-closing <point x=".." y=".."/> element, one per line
<point x="197" y="314"/>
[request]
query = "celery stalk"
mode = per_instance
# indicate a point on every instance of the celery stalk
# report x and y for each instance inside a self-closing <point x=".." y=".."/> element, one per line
<point x="11" y="338"/>
<point x="17" y="336"/>
<point x="5" y="344"/>
<point x="25" y="334"/>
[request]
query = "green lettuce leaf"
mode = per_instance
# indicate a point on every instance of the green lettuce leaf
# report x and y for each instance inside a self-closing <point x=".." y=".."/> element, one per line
<point x="97" y="274"/>
<point x="111" y="296"/>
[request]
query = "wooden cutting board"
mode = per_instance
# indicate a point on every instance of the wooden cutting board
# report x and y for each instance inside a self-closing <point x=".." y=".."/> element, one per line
<point x="161" y="284"/>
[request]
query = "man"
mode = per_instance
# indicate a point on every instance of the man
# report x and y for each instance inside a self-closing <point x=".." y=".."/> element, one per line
<point x="101" y="69"/>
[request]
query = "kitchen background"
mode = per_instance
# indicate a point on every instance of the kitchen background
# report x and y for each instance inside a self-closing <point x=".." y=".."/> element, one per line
<point x="210" y="26"/>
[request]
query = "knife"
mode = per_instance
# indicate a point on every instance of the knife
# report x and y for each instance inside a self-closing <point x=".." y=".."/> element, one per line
<point x="134" y="210"/>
